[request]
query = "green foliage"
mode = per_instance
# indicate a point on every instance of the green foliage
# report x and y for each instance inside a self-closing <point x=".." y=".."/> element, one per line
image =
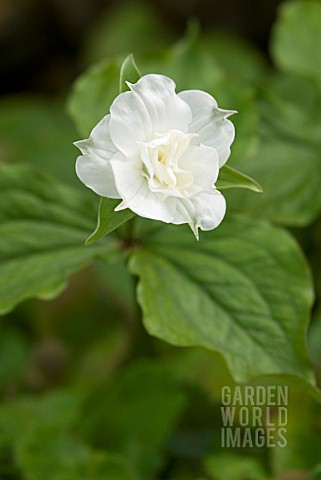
<point x="296" y="38"/>
<point x="42" y="232"/>
<point x="125" y="28"/>
<point x="234" y="467"/>
<point x="127" y="405"/>
<point x="138" y="413"/>
<point x="92" y="95"/>
<point x="108" y="219"/>
<point x="290" y="125"/>
<point x="37" y="131"/>
<point x="128" y="73"/>
<point x="231" y="178"/>
<point x="215" y="296"/>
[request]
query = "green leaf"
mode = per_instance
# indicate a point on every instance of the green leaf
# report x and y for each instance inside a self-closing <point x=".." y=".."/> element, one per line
<point x="42" y="232"/>
<point x="287" y="160"/>
<point x="14" y="355"/>
<point x="234" y="467"/>
<point x="237" y="57"/>
<point x="128" y="73"/>
<point x="244" y="291"/>
<point x="296" y="38"/>
<point x="143" y="403"/>
<point x="48" y="452"/>
<point x="108" y="219"/>
<point x="32" y="129"/>
<point x="231" y="178"/>
<point x="303" y="434"/>
<point x="92" y="95"/>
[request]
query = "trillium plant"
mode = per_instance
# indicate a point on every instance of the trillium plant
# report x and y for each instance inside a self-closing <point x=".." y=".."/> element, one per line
<point x="158" y="157"/>
<point x="162" y="159"/>
<point x="156" y="250"/>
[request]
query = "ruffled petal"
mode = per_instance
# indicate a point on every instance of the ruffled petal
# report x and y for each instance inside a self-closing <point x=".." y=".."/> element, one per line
<point x="166" y="110"/>
<point x="130" y="123"/>
<point x="101" y="135"/>
<point x="210" y="123"/>
<point x="205" y="210"/>
<point x="99" y="142"/>
<point x="151" y="108"/>
<point x="202" y="162"/>
<point x="137" y="196"/>
<point x="210" y="208"/>
<point x="96" y="173"/>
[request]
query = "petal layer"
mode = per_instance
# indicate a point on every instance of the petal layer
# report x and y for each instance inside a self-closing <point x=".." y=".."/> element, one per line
<point x="210" y="123"/>
<point x="137" y="196"/>
<point x="202" y="162"/>
<point x="151" y="108"/>
<point x="96" y="173"/>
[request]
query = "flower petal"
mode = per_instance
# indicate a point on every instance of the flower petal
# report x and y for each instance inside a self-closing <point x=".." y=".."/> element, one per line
<point x="167" y="111"/>
<point x="205" y="210"/>
<point x="96" y="173"/>
<point x="202" y="162"/>
<point x="130" y="123"/>
<point x="137" y="195"/>
<point x="101" y="135"/>
<point x="210" y="208"/>
<point x="210" y="122"/>
<point x="99" y="142"/>
<point x="151" y="108"/>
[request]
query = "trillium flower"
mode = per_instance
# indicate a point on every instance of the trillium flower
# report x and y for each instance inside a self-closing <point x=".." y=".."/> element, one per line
<point x="160" y="153"/>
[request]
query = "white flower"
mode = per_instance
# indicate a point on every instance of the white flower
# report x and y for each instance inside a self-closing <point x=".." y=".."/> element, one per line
<point x="160" y="152"/>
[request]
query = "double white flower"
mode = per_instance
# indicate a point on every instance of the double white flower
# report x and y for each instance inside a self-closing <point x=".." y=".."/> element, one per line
<point x="160" y="152"/>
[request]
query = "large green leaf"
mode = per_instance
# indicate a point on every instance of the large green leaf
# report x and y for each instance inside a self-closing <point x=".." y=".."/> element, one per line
<point x="297" y="38"/>
<point x="287" y="162"/>
<point x="43" y="228"/>
<point x="244" y="291"/>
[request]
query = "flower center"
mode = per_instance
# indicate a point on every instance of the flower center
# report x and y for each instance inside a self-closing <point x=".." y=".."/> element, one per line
<point x="161" y="162"/>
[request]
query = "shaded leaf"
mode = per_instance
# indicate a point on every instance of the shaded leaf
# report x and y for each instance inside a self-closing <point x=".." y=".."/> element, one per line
<point x="287" y="161"/>
<point x="244" y="292"/>
<point x="42" y="232"/>
<point x="296" y="38"/>
<point x="92" y="95"/>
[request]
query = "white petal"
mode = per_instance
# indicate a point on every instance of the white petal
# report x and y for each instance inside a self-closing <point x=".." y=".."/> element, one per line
<point x="210" y="122"/>
<point x="130" y="123"/>
<point x="96" y="173"/>
<point x="151" y="108"/>
<point x="205" y="210"/>
<point x="210" y="208"/>
<point x="137" y="196"/>
<point x="202" y="162"/>
<point x="167" y="111"/>
<point x="99" y="142"/>
<point x="101" y="135"/>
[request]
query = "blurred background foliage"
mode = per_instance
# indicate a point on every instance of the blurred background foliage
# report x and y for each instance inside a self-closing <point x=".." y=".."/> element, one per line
<point x="85" y="393"/>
